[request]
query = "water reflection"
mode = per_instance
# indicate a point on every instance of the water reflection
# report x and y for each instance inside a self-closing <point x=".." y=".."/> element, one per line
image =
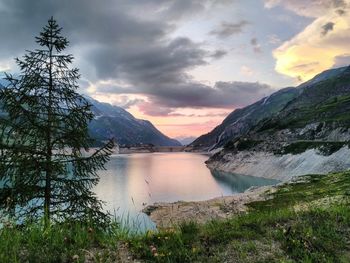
<point x="133" y="181"/>
<point x="239" y="183"/>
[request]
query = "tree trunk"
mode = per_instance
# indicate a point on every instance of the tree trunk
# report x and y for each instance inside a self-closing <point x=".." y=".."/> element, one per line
<point x="47" y="203"/>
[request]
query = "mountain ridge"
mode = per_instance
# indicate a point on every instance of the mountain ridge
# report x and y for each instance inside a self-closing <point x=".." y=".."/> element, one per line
<point x="113" y="121"/>
<point x="240" y="121"/>
<point x="311" y="134"/>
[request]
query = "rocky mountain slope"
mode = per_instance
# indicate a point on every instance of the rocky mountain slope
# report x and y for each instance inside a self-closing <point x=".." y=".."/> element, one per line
<point x="310" y="134"/>
<point x="112" y="121"/>
<point x="240" y="121"/>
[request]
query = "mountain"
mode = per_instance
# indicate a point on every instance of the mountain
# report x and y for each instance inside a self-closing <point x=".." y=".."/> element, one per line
<point x="115" y="122"/>
<point x="184" y="140"/>
<point x="309" y="134"/>
<point x="327" y="74"/>
<point x="241" y="120"/>
<point x="112" y="121"/>
<point x="319" y="112"/>
<point x="324" y="100"/>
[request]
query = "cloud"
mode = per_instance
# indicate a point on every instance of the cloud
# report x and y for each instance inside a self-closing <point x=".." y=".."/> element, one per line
<point x="227" y="29"/>
<point x="122" y="52"/>
<point x="172" y="112"/>
<point x="256" y="46"/>
<point x="300" y="57"/>
<point x="246" y="71"/>
<point x="166" y="99"/>
<point x="152" y="62"/>
<point x="342" y="61"/>
<point x="311" y="8"/>
<point x="154" y="110"/>
<point x="126" y="102"/>
<point x="274" y="39"/>
<point x="340" y="12"/>
<point x="271" y="3"/>
<point x="217" y="54"/>
<point x="118" y="48"/>
<point x="204" y="115"/>
<point x="222" y="95"/>
<point x="327" y="28"/>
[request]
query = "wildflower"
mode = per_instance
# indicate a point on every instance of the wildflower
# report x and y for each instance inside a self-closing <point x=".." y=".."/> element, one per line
<point x="153" y="250"/>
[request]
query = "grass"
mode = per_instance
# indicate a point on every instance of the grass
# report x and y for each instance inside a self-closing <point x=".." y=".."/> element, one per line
<point x="332" y="110"/>
<point x="323" y="147"/>
<point x="316" y="235"/>
<point x="306" y="220"/>
<point x="295" y="225"/>
<point x="241" y="145"/>
<point x="68" y="242"/>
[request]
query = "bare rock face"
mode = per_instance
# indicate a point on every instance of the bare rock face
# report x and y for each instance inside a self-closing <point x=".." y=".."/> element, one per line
<point x="281" y="167"/>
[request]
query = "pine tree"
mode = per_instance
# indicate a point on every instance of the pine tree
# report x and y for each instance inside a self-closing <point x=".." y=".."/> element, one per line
<point x="45" y="164"/>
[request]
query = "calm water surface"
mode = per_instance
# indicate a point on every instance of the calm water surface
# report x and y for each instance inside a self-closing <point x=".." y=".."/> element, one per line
<point x="133" y="181"/>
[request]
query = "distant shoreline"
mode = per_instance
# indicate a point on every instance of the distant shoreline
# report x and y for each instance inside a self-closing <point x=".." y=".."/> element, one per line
<point x="153" y="149"/>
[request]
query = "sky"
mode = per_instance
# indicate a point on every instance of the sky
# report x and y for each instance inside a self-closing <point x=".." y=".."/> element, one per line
<point x="185" y="64"/>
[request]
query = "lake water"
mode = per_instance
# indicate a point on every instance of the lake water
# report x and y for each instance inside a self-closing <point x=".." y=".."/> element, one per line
<point x="133" y="181"/>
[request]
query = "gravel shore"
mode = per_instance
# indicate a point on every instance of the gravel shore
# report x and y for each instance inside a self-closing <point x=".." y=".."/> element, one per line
<point x="168" y="214"/>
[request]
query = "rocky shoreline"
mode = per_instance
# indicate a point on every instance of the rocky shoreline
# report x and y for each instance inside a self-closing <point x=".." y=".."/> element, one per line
<point x="281" y="167"/>
<point x="261" y="164"/>
<point x="169" y="214"/>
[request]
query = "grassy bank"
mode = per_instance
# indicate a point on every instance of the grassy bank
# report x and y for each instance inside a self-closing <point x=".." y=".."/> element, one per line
<point x="68" y="242"/>
<point x="304" y="221"/>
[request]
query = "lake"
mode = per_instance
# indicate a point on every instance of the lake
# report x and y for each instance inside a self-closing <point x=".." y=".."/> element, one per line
<point x="133" y="181"/>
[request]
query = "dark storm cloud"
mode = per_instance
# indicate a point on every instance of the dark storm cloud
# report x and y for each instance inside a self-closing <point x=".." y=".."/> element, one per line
<point x="221" y="95"/>
<point x="228" y="29"/>
<point x="152" y="63"/>
<point x="117" y="41"/>
<point x="327" y="28"/>
<point x="85" y="22"/>
<point x="188" y="93"/>
<point x="196" y="95"/>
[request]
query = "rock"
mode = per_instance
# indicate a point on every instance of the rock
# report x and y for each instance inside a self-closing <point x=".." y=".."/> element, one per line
<point x="281" y="167"/>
